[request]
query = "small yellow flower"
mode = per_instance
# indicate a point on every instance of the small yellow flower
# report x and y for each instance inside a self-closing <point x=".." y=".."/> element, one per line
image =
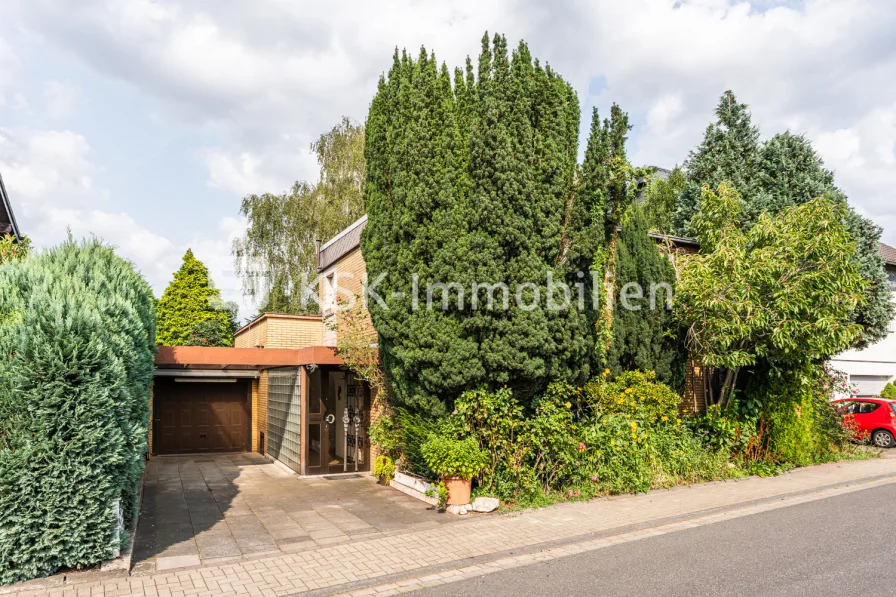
<point x="665" y="418"/>
<point x="606" y="372"/>
<point x="633" y="425"/>
<point x="618" y="448"/>
<point x="628" y="390"/>
<point x="639" y="440"/>
<point x="568" y="405"/>
<point x="678" y="421"/>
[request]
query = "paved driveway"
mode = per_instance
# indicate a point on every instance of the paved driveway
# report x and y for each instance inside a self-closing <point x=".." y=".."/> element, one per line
<point x="209" y="509"/>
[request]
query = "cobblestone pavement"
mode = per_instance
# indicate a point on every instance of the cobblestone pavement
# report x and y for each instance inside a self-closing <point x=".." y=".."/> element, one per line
<point x="397" y="563"/>
<point x="208" y="509"/>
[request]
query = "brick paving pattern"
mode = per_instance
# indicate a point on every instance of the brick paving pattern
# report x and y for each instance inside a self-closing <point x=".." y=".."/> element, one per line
<point x="208" y="509"/>
<point x="411" y="556"/>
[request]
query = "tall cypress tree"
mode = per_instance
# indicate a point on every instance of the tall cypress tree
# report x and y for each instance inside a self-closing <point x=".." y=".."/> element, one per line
<point x="473" y="183"/>
<point x="645" y="332"/>
<point x="189" y="302"/>
<point x="729" y="153"/>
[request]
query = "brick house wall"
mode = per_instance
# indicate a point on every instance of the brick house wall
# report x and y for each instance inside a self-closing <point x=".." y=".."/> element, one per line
<point x="260" y="412"/>
<point x="280" y="330"/>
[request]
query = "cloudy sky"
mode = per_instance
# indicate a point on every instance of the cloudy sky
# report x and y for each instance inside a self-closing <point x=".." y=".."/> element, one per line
<point x="145" y="121"/>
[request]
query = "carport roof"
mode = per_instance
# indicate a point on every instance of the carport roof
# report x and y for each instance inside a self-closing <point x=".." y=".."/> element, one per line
<point x="226" y="358"/>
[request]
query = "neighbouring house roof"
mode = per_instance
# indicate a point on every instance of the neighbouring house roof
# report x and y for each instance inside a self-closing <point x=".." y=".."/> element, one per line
<point x="7" y="218"/>
<point x="888" y="253"/>
<point x="341" y="244"/>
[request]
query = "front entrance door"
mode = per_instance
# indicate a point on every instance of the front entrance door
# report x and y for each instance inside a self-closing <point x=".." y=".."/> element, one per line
<point x="338" y="417"/>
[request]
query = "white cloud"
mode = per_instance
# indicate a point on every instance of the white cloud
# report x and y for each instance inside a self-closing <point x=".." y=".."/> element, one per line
<point x="61" y="99"/>
<point x="50" y="175"/>
<point x="252" y="88"/>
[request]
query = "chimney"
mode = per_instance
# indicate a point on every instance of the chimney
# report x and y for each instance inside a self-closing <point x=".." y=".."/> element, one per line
<point x="317" y="253"/>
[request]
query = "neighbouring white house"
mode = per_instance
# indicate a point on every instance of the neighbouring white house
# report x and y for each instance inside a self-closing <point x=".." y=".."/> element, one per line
<point x="872" y="368"/>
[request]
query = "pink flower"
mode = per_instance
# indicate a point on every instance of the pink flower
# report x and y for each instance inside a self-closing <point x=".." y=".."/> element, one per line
<point x="594" y="478"/>
<point x="581" y="446"/>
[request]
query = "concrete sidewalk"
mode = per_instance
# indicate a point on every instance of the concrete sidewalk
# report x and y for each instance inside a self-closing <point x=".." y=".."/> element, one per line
<point x="387" y="562"/>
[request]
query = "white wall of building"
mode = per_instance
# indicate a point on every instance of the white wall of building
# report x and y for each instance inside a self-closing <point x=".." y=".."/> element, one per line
<point x="874" y="367"/>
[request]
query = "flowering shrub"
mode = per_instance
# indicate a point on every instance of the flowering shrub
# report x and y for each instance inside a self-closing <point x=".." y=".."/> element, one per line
<point x="617" y="436"/>
<point x="636" y="393"/>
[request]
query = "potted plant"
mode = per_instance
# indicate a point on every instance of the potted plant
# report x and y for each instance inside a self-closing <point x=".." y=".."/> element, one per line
<point x="456" y="461"/>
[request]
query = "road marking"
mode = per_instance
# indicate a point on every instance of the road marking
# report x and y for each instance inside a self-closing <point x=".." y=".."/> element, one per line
<point x="416" y="583"/>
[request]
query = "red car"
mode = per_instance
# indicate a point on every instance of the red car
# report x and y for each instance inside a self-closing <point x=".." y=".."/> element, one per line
<point x="873" y="418"/>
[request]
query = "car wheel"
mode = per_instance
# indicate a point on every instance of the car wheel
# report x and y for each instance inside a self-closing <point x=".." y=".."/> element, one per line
<point x="882" y="438"/>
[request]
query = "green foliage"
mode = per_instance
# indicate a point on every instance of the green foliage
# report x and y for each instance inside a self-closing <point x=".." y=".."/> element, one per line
<point x="661" y="198"/>
<point x="635" y="393"/>
<point x="440" y="492"/>
<point x="729" y="151"/>
<point x="775" y="176"/>
<point x="785" y="292"/>
<point x="77" y="331"/>
<point x="12" y="249"/>
<point x="645" y="332"/>
<point x="384" y="469"/>
<point x="889" y="391"/>
<point x="385" y="434"/>
<point x="191" y="308"/>
<point x="414" y="429"/>
<point x="610" y="436"/>
<point x="449" y="457"/>
<point x="719" y="213"/>
<point x="472" y="181"/>
<point x="209" y="332"/>
<point x="803" y="426"/>
<point x="277" y="253"/>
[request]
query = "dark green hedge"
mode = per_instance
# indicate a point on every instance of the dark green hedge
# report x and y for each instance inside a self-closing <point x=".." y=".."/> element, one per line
<point x="77" y="331"/>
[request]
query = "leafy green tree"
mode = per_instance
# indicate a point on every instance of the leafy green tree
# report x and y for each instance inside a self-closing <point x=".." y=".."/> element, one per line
<point x="783" y="293"/>
<point x="473" y="182"/>
<point x="782" y="172"/>
<point x="12" y="249"/>
<point x="645" y="332"/>
<point x="277" y="253"/>
<point x="189" y="302"/>
<point x="660" y="199"/>
<point x="77" y="330"/>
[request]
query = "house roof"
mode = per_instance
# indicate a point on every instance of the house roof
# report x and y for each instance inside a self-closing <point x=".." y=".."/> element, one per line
<point x="337" y="247"/>
<point x="7" y="218"/>
<point x="888" y="253"/>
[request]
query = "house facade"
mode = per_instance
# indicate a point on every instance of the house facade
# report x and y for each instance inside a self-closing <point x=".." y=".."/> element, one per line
<point x="869" y="370"/>
<point x="281" y="391"/>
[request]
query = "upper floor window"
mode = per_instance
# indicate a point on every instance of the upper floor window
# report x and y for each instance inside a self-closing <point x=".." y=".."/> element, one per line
<point x="329" y="292"/>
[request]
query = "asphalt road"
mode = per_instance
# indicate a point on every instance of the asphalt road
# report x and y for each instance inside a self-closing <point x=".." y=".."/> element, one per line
<point x="830" y="547"/>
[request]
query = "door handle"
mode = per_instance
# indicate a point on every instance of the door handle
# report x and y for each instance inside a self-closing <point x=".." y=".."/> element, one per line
<point x="330" y="419"/>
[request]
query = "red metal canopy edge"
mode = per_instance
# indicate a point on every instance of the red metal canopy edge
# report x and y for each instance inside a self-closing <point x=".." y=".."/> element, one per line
<point x="216" y="357"/>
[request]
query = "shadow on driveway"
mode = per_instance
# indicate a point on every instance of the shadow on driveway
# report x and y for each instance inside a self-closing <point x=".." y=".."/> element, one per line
<point x="208" y="509"/>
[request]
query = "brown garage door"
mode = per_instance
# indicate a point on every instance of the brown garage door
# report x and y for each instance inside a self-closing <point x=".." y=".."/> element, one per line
<point x="200" y="416"/>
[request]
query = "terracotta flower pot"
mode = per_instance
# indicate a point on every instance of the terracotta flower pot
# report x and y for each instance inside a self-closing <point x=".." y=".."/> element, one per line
<point x="458" y="490"/>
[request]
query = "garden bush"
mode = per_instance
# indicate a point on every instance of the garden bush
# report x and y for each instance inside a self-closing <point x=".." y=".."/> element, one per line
<point x="610" y="436"/>
<point x="889" y="391"/>
<point x="77" y="331"/>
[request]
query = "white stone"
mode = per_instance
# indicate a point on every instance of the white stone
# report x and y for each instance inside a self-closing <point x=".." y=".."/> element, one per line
<point x="485" y="504"/>
<point x="459" y="510"/>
